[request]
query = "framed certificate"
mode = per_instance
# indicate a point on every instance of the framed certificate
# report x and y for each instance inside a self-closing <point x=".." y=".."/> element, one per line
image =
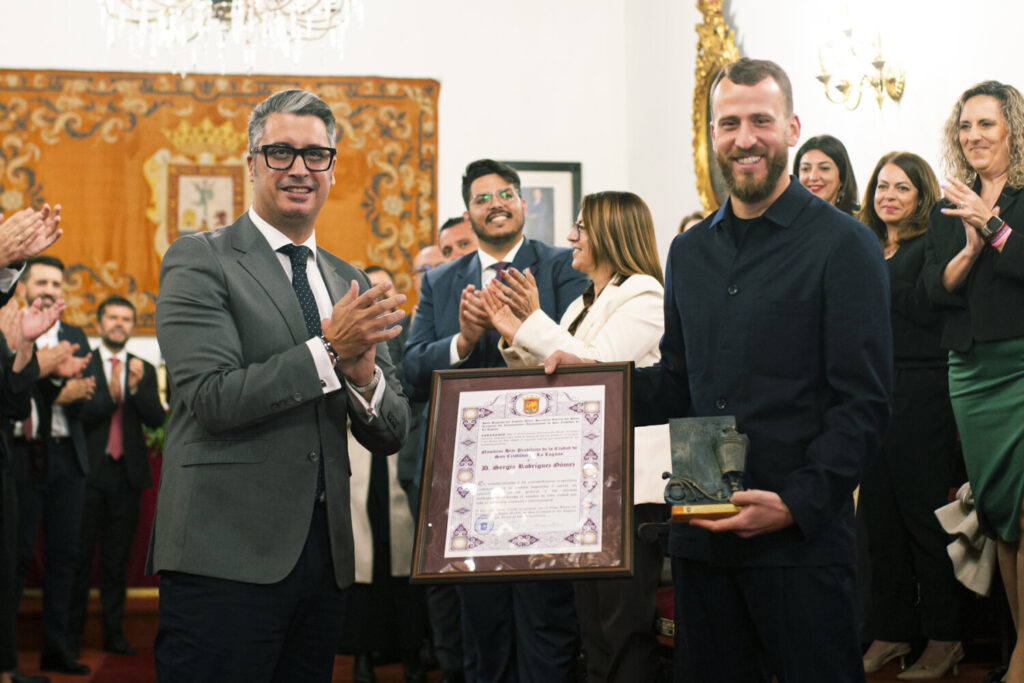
<point x="527" y="476"/>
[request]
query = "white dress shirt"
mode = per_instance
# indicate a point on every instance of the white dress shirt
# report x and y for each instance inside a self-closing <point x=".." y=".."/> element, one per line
<point x="487" y="273"/>
<point x="329" y="378"/>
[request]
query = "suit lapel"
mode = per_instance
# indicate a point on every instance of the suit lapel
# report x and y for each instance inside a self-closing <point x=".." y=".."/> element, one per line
<point x="260" y="261"/>
<point x="336" y="286"/>
<point x="525" y="258"/>
<point x="99" y="372"/>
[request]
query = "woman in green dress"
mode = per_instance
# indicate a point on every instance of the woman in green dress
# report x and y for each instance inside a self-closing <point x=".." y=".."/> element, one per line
<point x="975" y="271"/>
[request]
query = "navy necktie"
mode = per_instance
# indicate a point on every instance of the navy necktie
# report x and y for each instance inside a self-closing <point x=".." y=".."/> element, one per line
<point x="300" y="283"/>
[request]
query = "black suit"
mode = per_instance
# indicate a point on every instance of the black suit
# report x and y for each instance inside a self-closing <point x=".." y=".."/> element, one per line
<point x="14" y="405"/>
<point x="111" y="511"/>
<point x="56" y="496"/>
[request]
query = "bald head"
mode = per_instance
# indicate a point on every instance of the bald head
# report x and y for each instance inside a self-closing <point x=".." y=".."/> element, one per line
<point x="427" y="257"/>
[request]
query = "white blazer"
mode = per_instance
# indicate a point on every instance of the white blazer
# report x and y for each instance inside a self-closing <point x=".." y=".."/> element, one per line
<point x="625" y="322"/>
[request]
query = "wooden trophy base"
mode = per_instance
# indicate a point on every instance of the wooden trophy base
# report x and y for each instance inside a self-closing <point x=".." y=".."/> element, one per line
<point x="684" y="513"/>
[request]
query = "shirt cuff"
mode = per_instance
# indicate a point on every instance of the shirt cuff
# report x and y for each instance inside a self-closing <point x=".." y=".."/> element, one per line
<point x="9" y="277"/>
<point x="329" y="380"/>
<point x="453" y="353"/>
<point x="378" y="393"/>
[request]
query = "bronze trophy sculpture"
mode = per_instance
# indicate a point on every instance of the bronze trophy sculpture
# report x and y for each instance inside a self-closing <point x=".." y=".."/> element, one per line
<point x="708" y="461"/>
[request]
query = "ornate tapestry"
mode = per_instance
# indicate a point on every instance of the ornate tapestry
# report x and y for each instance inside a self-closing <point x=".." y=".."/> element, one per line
<point x="138" y="159"/>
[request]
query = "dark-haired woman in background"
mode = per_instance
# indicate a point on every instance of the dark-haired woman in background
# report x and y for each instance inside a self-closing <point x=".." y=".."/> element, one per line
<point x="975" y="269"/>
<point x="911" y="477"/>
<point x="823" y="167"/>
<point x="620" y="317"/>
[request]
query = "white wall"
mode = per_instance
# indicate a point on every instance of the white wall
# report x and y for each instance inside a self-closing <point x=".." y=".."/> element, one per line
<point x="604" y="82"/>
<point x="945" y="46"/>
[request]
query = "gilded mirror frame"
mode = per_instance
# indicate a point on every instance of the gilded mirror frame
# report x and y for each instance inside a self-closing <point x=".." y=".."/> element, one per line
<point x="716" y="47"/>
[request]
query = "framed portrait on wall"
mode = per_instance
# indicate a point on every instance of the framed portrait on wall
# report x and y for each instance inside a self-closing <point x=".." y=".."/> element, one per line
<point x="552" y="193"/>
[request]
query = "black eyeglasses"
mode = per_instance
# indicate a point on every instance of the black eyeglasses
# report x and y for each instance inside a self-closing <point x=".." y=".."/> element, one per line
<point x="281" y="157"/>
<point x="578" y="228"/>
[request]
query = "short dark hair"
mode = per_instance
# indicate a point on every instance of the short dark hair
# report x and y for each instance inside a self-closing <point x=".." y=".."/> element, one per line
<point x="450" y="223"/>
<point x="42" y="260"/>
<point x="480" y="168"/>
<point x="747" y="71"/>
<point x="115" y="300"/>
<point x="835" y="150"/>
<point x="379" y="269"/>
<point x="300" y="102"/>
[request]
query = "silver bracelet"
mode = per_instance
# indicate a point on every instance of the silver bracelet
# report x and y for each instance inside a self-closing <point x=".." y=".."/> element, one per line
<point x="377" y="374"/>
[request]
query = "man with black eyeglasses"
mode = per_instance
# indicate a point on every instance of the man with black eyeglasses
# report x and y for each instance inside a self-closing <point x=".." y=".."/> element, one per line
<point x="512" y="631"/>
<point x="272" y="345"/>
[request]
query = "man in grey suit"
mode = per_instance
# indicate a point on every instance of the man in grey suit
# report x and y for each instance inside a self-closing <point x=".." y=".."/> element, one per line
<point x="271" y="345"/>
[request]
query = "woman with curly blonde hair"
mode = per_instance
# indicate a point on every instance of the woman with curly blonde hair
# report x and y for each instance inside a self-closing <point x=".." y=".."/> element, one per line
<point x="975" y="271"/>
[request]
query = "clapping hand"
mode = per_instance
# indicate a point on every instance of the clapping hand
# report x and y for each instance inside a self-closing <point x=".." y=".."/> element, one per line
<point x="10" y="323"/>
<point x="135" y="370"/>
<point x="501" y="316"/>
<point x="36" y="320"/>
<point x="518" y="290"/>
<point x="970" y="208"/>
<point x="357" y="324"/>
<point x="473" y="320"/>
<point x="28" y="232"/>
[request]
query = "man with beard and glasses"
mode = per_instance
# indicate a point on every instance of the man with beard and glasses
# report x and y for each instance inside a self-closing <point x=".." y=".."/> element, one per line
<point x="523" y="630"/>
<point x="777" y="313"/>
<point x="51" y="466"/>
<point x="126" y="398"/>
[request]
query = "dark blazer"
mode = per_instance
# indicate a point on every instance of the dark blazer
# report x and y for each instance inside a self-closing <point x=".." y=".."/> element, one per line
<point x="437" y="314"/>
<point x="141" y="408"/>
<point x="790" y="333"/>
<point x="46" y="390"/>
<point x="987" y="307"/>
<point x="249" y="419"/>
<point x="15" y="395"/>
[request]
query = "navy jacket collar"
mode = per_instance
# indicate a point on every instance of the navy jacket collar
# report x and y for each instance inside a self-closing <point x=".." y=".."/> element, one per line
<point x="783" y="211"/>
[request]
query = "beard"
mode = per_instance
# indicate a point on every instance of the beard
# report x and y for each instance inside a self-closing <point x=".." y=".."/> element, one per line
<point x="501" y="239"/>
<point x="749" y="190"/>
<point x="114" y="344"/>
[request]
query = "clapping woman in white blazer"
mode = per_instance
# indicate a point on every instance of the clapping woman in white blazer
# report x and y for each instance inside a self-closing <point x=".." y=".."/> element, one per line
<point x="620" y="317"/>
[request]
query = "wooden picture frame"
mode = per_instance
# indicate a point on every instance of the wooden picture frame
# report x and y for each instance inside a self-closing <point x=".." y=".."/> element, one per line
<point x="552" y="193"/>
<point x="499" y="442"/>
<point x="716" y="47"/>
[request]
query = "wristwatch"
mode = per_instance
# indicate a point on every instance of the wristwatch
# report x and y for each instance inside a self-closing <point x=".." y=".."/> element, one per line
<point x="377" y="374"/>
<point x="994" y="225"/>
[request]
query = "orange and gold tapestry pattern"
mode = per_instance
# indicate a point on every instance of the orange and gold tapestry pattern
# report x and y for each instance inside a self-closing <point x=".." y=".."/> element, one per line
<point x="138" y="159"/>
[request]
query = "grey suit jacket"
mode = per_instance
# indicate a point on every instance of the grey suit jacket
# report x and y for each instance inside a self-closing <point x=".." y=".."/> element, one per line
<point x="249" y="419"/>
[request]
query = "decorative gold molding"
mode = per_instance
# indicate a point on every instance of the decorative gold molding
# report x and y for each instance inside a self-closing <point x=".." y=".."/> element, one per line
<point x="716" y="47"/>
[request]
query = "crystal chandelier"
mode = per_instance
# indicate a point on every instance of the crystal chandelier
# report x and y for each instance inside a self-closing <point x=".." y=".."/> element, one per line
<point x="199" y="29"/>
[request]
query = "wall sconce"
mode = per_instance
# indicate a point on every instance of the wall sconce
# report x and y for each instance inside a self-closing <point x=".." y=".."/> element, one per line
<point x="846" y="74"/>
